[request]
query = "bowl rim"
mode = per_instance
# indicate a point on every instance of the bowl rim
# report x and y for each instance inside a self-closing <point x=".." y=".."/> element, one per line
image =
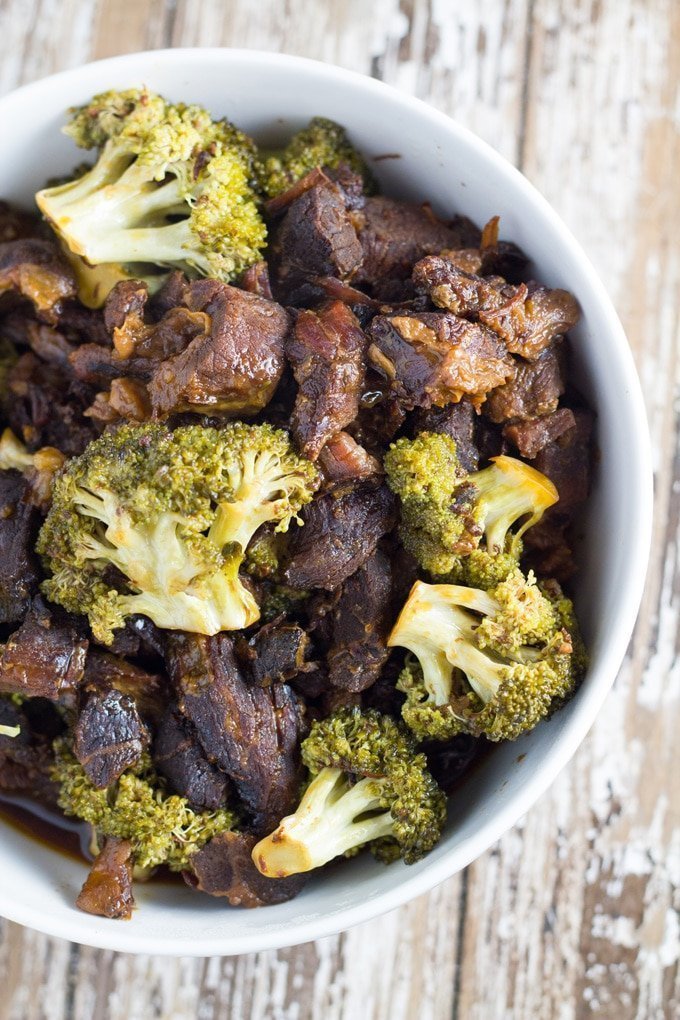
<point x="590" y="700"/>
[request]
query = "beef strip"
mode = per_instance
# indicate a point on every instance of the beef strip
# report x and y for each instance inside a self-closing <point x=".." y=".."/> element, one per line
<point x="224" y="867"/>
<point x="19" y="523"/>
<point x="45" y="657"/>
<point x="149" y="691"/>
<point x="566" y="462"/>
<point x="533" y="389"/>
<point x="179" y="757"/>
<point x="437" y="358"/>
<point x="255" y="279"/>
<point x="342" y="459"/>
<point x="361" y="621"/>
<point x="107" y="891"/>
<point x="457" y="421"/>
<point x="35" y="269"/>
<point x="394" y="235"/>
<point x="530" y="437"/>
<point x="276" y="653"/>
<point x="327" y="351"/>
<point x="109" y="736"/>
<point x="25" y="760"/>
<point x="341" y="530"/>
<point x="250" y="732"/>
<point x="46" y="406"/>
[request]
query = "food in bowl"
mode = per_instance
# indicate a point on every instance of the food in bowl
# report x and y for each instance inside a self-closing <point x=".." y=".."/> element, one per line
<point x="289" y="471"/>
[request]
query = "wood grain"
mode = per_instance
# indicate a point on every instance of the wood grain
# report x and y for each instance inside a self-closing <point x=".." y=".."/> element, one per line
<point x="575" y="913"/>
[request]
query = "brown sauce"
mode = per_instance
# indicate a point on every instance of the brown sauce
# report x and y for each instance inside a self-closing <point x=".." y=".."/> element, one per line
<point x="46" y="826"/>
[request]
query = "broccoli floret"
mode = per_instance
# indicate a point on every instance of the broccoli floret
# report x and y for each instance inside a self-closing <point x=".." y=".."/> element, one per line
<point x="170" y="187"/>
<point x="163" y="828"/>
<point x="323" y="143"/>
<point x="174" y="513"/>
<point x="263" y="558"/>
<point x="10" y="731"/>
<point x="458" y="526"/>
<point x="279" y="598"/>
<point x="368" y="786"/>
<point x="488" y="662"/>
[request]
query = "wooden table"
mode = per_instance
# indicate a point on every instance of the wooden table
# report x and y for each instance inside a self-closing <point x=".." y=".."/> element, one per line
<point x="575" y="912"/>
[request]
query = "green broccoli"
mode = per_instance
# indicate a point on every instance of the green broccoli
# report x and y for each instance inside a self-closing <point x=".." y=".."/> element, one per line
<point x="459" y="526"/>
<point x="368" y="786"/>
<point x="323" y="143"/>
<point x="488" y="662"/>
<point x="171" y="187"/>
<point x="163" y="828"/>
<point x="174" y="513"/>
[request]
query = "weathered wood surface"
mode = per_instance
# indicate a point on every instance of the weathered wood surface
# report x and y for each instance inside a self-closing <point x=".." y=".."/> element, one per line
<point x="575" y="912"/>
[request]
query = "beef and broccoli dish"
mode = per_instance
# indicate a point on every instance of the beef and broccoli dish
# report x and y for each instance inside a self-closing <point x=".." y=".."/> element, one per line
<point x="288" y="476"/>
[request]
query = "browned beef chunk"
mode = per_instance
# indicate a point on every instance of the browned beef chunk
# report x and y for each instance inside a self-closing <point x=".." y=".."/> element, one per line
<point x="45" y="657"/>
<point x="35" y="269"/>
<point x="25" y="760"/>
<point x="459" y="422"/>
<point x="458" y="291"/>
<point x="380" y="416"/>
<point x="566" y="462"/>
<point x="532" y="390"/>
<point x="255" y="279"/>
<point x="148" y="691"/>
<point x="14" y="224"/>
<point x="344" y="460"/>
<point x="107" y="891"/>
<point x="179" y="757"/>
<point x="224" y="867"/>
<point x="361" y="621"/>
<point x="19" y="523"/>
<point x="250" y="732"/>
<point x="547" y="549"/>
<point x="383" y="694"/>
<point x="327" y="352"/>
<point x="236" y="366"/>
<point x="172" y="294"/>
<point x="276" y="653"/>
<point x="437" y="357"/>
<point x="83" y="325"/>
<point x="341" y="530"/>
<point x="530" y="437"/>
<point x="316" y="237"/>
<point x="394" y="235"/>
<point x="46" y="407"/>
<point x="109" y="736"/>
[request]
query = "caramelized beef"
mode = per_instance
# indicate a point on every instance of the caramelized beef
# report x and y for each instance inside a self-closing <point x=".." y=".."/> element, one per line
<point x="250" y="732"/>
<point x="343" y="460"/>
<point x="14" y="223"/>
<point x="149" y="691"/>
<point x="19" y="523"/>
<point x="530" y="437"/>
<point x="547" y="549"/>
<point x="25" y="760"/>
<point x="276" y="653"/>
<point x="224" y="867"/>
<point x="45" y="657"/>
<point x="35" y="269"/>
<point x="46" y="406"/>
<point x="255" y="279"/>
<point x="458" y="422"/>
<point x="179" y="757"/>
<point x="109" y="736"/>
<point x="341" y="530"/>
<point x="566" y="462"/>
<point x="361" y="621"/>
<point x="437" y="358"/>
<point x="107" y="891"/>
<point x="327" y="352"/>
<point x="533" y="389"/>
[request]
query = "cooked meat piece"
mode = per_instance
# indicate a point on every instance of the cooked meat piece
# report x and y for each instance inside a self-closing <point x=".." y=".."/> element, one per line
<point x="107" y="891"/>
<point x="49" y="344"/>
<point x="276" y="653"/>
<point x="313" y="684"/>
<point x="127" y="399"/>
<point x="109" y="736"/>
<point x="250" y="732"/>
<point x="172" y="294"/>
<point x="255" y="279"/>
<point x="533" y="389"/>
<point x="316" y="237"/>
<point x="334" y="699"/>
<point x="125" y="308"/>
<point x="530" y="437"/>
<point x="236" y="366"/>
<point x="327" y="351"/>
<point x="19" y="523"/>
<point x="448" y="760"/>
<point x="361" y="622"/>
<point x="459" y="422"/>
<point x="380" y="416"/>
<point x="547" y="549"/>
<point x="437" y="357"/>
<point x="46" y="407"/>
<point x="224" y="867"/>
<point x="394" y="235"/>
<point x="343" y="460"/>
<point x="98" y="365"/>
<point x="179" y="757"/>
<point x="14" y="223"/>
<point x="83" y="325"/>
<point x="458" y="291"/>
<point x="45" y="657"/>
<point x="25" y="760"/>
<point x="149" y="691"/>
<point x="341" y="530"/>
<point x="35" y="269"/>
<point x="383" y="694"/>
<point x="276" y="206"/>
<point x="529" y="322"/>
<point x="566" y="462"/>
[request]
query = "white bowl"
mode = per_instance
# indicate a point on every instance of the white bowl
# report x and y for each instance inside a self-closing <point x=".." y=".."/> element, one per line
<point x="270" y="95"/>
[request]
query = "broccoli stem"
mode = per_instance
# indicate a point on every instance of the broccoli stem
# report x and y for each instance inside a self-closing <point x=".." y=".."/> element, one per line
<point x="332" y="818"/>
